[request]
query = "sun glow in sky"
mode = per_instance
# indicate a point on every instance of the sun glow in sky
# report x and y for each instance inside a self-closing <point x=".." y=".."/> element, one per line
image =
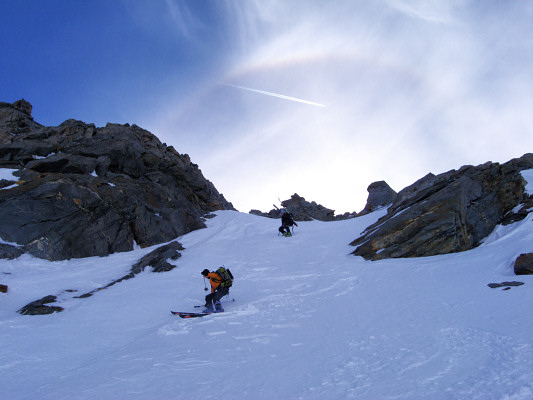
<point x="272" y="98"/>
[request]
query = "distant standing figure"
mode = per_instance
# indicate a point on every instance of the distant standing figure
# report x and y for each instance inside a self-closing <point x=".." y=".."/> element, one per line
<point x="286" y="222"/>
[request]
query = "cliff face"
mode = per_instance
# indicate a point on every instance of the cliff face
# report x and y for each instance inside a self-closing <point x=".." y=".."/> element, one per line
<point x="86" y="191"/>
<point x="449" y="212"/>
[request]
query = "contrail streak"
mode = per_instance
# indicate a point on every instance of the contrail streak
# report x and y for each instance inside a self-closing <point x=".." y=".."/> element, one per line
<point x="281" y="96"/>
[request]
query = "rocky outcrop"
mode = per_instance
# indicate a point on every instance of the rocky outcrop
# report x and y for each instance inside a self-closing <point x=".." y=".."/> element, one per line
<point x="303" y="210"/>
<point x="87" y="191"/>
<point x="523" y="265"/>
<point x="300" y="209"/>
<point x="14" y="119"/>
<point x="380" y="194"/>
<point x="447" y="213"/>
<point x="157" y="259"/>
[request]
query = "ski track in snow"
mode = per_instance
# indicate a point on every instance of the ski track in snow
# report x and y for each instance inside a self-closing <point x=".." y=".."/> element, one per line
<point x="309" y="321"/>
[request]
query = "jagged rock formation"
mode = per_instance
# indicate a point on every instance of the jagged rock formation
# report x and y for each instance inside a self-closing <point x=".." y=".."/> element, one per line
<point x="447" y="213"/>
<point x="16" y="118"/>
<point x="86" y="191"/>
<point x="380" y="194"/>
<point x="303" y="210"/>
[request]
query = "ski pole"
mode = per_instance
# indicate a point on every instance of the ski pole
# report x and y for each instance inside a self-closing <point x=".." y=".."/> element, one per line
<point x="205" y="286"/>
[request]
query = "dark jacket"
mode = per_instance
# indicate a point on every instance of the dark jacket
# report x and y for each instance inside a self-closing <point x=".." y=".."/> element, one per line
<point x="287" y="220"/>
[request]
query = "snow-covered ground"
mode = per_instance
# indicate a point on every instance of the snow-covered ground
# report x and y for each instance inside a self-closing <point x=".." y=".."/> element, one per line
<point x="308" y="321"/>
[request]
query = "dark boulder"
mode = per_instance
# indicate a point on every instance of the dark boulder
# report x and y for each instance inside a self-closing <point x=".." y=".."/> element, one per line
<point x="447" y="213"/>
<point x="523" y="265"/>
<point x="86" y="191"/>
<point x="380" y="194"/>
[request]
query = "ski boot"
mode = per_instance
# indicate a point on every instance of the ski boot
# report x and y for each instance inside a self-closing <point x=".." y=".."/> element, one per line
<point x="218" y="307"/>
<point x="208" y="309"/>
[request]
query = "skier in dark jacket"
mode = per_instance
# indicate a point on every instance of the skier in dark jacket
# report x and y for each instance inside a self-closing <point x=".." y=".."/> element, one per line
<point x="286" y="222"/>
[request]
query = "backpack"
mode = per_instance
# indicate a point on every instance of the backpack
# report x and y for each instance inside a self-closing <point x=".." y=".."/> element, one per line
<point x="226" y="276"/>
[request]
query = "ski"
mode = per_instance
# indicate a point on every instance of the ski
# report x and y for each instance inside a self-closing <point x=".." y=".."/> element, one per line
<point x="189" y="314"/>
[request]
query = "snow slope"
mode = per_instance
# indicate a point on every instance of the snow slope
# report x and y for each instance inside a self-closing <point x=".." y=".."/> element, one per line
<point x="309" y="321"/>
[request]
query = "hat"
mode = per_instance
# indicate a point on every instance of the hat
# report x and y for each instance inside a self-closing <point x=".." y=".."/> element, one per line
<point x="205" y="272"/>
<point x="283" y="211"/>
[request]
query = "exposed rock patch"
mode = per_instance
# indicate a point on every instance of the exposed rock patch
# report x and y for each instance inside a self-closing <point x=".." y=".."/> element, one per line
<point x="157" y="259"/>
<point x="39" y="307"/>
<point x="505" y="285"/>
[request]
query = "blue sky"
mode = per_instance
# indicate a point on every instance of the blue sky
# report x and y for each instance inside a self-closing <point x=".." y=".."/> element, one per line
<point x="277" y="97"/>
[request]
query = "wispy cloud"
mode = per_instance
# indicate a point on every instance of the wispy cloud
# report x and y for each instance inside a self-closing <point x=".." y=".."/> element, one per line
<point x="181" y="15"/>
<point x="411" y="87"/>
<point x="436" y="11"/>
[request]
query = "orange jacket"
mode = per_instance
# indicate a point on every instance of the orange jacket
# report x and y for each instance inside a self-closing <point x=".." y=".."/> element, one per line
<point x="214" y="280"/>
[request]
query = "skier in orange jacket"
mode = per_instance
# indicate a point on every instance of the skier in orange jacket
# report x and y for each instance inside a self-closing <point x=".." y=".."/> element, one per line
<point x="217" y="292"/>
